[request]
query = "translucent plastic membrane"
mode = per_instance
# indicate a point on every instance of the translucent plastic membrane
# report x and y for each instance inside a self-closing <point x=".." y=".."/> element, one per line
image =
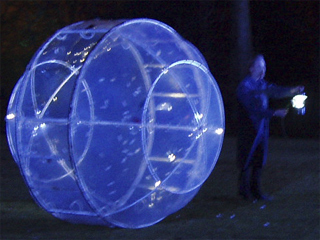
<point x="116" y="123"/>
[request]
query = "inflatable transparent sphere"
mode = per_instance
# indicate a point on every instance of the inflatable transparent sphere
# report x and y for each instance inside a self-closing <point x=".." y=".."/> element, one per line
<point x="115" y="123"/>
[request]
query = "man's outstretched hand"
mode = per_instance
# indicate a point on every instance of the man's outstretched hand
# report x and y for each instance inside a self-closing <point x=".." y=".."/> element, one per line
<point x="281" y="112"/>
<point x="297" y="90"/>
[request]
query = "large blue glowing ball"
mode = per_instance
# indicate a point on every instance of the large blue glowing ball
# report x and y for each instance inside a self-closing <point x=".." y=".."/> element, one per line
<point x="115" y="123"/>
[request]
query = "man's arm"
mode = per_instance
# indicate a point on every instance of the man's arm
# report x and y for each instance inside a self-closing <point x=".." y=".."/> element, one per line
<point x="249" y="98"/>
<point x="275" y="91"/>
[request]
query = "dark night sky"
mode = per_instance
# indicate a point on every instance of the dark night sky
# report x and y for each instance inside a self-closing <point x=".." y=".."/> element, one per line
<point x="289" y="34"/>
<point x="286" y="32"/>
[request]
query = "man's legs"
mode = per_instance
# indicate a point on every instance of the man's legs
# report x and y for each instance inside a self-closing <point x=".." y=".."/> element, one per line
<point x="255" y="183"/>
<point x="245" y="139"/>
<point x="244" y="183"/>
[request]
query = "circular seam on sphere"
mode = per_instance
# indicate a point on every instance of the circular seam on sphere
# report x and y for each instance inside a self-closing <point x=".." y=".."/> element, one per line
<point x="46" y="134"/>
<point x="146" y="125"/>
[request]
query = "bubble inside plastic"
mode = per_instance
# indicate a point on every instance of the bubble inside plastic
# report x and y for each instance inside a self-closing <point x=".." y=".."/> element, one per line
<point x="115" y="123"/>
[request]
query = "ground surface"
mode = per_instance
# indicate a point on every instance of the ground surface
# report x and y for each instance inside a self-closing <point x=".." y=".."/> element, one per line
<point x="291" y="176"/>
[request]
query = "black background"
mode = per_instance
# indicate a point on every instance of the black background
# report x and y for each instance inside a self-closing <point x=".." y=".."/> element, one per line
<point x="286" y="32"/>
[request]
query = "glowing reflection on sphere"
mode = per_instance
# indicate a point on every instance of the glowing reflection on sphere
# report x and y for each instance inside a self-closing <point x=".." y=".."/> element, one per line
<point x="115" y="123"/>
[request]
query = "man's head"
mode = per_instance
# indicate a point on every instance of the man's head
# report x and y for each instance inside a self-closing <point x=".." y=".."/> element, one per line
<point x="258" y="67"/>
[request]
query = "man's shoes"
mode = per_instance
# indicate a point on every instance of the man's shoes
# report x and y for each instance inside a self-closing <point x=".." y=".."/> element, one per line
<point x="262" y="197"/>
<point x="244" y="195"/>
<point x="255" y="196"/>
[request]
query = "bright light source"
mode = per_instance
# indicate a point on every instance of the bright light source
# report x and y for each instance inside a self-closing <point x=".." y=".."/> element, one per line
<point x="298" y="101"/>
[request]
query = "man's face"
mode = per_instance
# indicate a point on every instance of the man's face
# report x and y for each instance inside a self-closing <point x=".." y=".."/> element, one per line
<point x="258" y="68"/>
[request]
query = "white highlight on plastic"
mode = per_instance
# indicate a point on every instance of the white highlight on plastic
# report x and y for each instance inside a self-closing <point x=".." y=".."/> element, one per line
<point x="172" y="157"/>
<point x="219" y="131"/>
<point x="198" y="116"/>
<point x="10" y="116"/>
<point x="164" y="106"/>
<point x="157" y="184"/>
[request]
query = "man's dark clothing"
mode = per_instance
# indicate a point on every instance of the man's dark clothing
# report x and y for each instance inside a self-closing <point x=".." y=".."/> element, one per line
<point x="254" y="115"/>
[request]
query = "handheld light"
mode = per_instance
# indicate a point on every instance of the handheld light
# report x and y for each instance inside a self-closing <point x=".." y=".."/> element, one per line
<point x="298" y="102"/>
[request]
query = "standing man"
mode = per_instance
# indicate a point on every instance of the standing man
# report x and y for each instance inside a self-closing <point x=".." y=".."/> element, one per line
<point x="253" y="94"/>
